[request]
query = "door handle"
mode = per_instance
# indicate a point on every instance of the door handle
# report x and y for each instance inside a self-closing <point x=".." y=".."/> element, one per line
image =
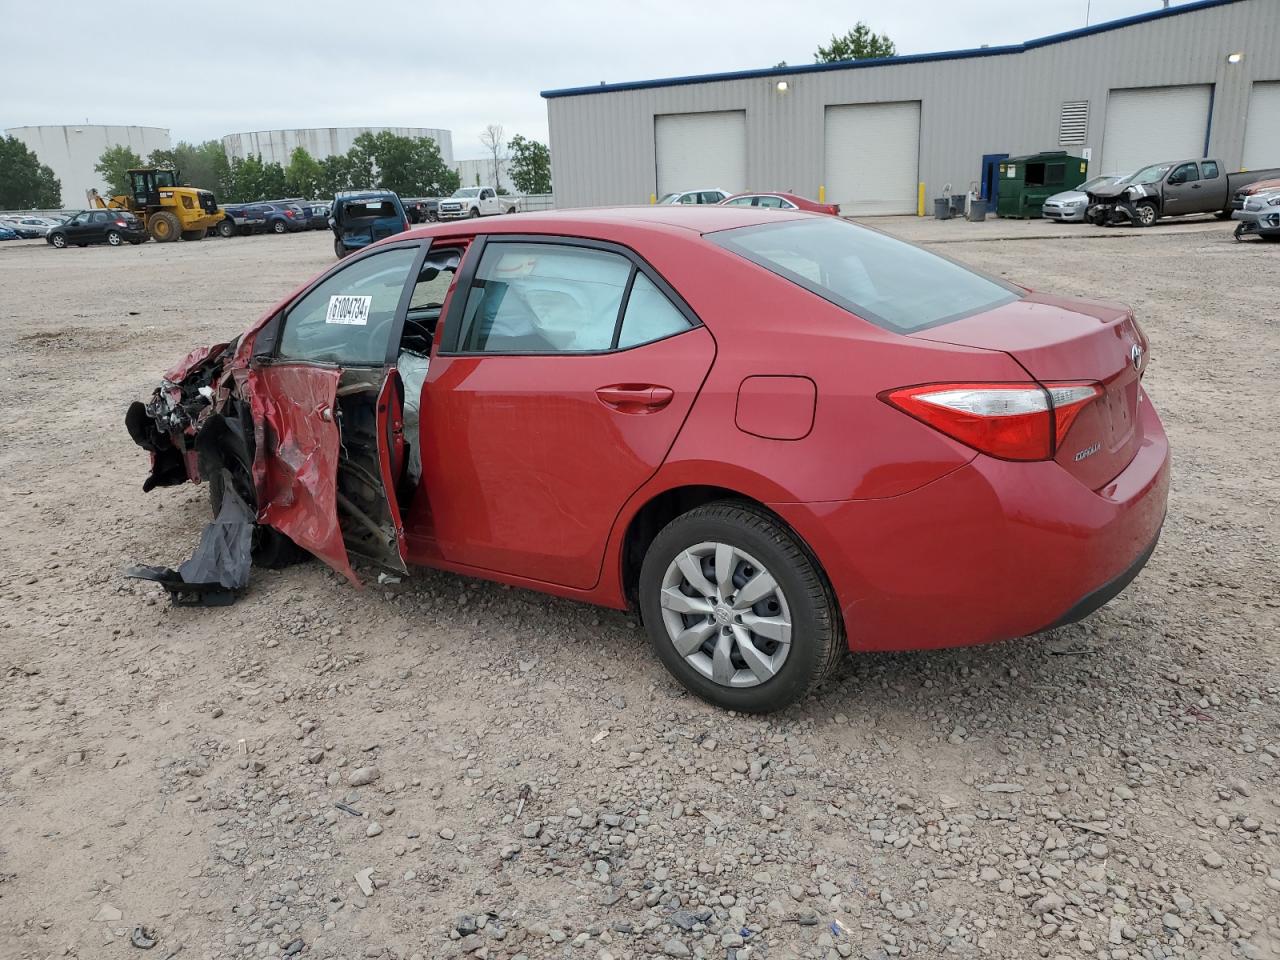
<point x="635" y="397"/>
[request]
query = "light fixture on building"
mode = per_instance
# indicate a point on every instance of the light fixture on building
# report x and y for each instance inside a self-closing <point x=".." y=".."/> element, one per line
<point x="782" y="86"/>
<point x="1234" y="57"/>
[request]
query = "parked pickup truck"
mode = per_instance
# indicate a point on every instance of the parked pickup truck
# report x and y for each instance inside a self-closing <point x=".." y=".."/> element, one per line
<point x="475" y="202"/>
<point x="1174" y="188"/>
<point x="242" y="219"/>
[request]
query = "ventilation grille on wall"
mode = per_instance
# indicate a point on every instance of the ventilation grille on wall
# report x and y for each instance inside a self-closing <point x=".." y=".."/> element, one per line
<point x="1073" y="126"/>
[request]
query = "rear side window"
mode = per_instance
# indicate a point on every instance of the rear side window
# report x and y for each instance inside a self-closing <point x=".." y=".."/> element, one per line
<point x="650" y="315"/>
<point x="559" y="298"/>
<point x="1209" y="169"/>
<point x="896" y="286"/>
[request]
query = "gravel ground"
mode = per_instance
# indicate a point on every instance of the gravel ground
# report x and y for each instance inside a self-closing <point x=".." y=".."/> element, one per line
<point x="521" y="778"/>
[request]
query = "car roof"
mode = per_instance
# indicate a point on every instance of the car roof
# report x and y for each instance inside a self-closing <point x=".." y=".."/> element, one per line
<point x="602" y="221"/>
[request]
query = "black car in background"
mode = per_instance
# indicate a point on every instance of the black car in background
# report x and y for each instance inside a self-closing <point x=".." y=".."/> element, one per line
<point x="422" y="209"/>
<point x="97" y="226"/>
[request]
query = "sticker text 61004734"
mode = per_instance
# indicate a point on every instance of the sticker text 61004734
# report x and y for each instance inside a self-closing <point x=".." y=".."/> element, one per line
<point x="348" y="309"/>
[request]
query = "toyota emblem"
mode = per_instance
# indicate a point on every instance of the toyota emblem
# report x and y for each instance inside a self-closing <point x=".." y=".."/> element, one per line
<point x="1135" y="354"/>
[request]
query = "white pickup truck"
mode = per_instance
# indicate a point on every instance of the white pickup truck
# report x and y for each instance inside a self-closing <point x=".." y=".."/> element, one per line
<point x="475" y="202"/>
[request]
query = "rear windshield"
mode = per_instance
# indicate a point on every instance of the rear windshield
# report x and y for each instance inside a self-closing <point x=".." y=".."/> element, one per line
<point x="363" y="209"/>
<point x="892" y="284"/>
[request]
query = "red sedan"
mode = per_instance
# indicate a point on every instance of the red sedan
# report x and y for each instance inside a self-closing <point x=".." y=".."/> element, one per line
<point x="776" y="434"/>
<point x="780" y="201"/>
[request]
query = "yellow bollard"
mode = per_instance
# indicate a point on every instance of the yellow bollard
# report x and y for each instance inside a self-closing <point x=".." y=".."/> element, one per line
<point x="822" y="193"/>
<point x="653" y="198"/>
<point x="920" y="200"/>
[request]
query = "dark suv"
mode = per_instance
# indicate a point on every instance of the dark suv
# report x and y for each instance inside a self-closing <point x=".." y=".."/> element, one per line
<point x="361" y="217"/>
<point x="282" y="216"/>
<point x="97" y="226"/>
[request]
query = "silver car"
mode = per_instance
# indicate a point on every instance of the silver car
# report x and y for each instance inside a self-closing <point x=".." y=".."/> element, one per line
<point x="1259" y="217"/>
<point x="705" y="195"/>
<point x="1070" y="205"/>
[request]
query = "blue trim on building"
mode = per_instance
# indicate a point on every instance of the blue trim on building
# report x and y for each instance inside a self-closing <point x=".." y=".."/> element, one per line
<point x="886" y="61"/>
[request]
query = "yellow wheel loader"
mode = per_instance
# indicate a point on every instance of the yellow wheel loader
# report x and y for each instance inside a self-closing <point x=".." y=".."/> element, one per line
<point x="168" y="210"/>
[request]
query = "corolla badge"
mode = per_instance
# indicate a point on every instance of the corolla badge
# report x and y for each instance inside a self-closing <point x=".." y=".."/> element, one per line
<point x="1088" y="451"/>
<point x="1135" y="354"/>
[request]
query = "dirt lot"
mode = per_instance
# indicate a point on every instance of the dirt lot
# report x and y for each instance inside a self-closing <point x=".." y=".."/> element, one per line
<point x="1108" y="790"/>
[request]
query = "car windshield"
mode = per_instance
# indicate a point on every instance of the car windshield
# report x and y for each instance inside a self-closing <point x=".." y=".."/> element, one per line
<point x="896" y="286"/>
<point x="1149" y="174"/>
<point x="1097" y="182"/>
<point x="467" y="192"/>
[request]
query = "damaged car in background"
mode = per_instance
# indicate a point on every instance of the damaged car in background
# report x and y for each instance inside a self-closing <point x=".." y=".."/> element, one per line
<point x="602" y="405"/>
<point x="1259" y="216"/>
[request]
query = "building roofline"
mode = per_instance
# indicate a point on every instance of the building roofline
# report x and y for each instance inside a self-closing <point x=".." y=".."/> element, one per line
<point x="1000" y="51"/>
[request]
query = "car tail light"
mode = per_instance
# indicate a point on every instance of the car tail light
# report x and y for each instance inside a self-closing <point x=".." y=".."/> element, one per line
<point x="835" y="209"/>
<point x="121" y="223"/>
<point x="289" y="214"/>
<point x="1012" y="421"/>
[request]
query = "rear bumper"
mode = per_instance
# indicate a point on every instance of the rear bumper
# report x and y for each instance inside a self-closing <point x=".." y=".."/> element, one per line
<point x="993" y="550"/>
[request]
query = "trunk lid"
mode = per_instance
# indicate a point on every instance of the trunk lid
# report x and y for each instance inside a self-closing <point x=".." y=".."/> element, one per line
<point x="1064" y="339"/>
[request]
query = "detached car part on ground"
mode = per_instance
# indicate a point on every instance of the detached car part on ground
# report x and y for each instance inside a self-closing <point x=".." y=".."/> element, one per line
<point x="608" y="405"/>
<point x="1259" y="217"/>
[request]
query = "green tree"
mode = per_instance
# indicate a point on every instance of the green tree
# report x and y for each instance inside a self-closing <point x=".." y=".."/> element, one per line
<point x="335" y="175"/>
<point x="858" y="44"/>
<point x="113" y="166"/>
<point x="530" y="165"/>
<point x="411" y="166"/>
<point x="303" y="174"/>
<point x="25" y="182"/>
<point x="202" y="165"/>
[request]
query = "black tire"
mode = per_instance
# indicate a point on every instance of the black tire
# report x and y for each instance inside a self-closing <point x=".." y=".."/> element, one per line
<point x="278" y="227"/>
<point x="58" y="240"/>
<point x="114" y="238"/>
<point x="226" y="228"/>
<point x="511" y="209"/>
<point x="190" y="235"/>
<point x="1147" y="214"/>
<point x="339" y="250"/>
<point x="474" y="213"/>
<point x="164" y="227"/>
<point x="817" y="636"/>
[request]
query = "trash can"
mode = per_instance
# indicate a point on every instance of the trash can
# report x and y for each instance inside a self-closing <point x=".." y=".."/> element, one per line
<point x="942" y="209"/>
<point x="977" y="211"/>
<point x="957" y="204"/>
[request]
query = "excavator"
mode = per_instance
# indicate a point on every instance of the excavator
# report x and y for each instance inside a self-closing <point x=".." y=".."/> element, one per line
<point x="168" y="210"/>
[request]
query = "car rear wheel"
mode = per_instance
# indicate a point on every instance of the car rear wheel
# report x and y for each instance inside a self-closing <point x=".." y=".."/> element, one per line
<point x="737" y="609"/>
<point x="339" y="250"/>
<point x="114" y="238"/>
<point x="58" y="240"/>
<point x="278" y="226"/>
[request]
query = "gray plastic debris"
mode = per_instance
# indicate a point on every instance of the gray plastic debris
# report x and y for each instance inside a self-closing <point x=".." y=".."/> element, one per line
<point x="143" y="939"/>
<point x="219" y="568"/>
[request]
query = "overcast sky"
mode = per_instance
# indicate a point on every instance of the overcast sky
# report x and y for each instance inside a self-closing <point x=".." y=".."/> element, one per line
<point x="207" y="69"/>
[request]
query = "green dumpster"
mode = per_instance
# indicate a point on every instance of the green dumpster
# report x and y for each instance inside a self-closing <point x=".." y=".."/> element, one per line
<point x="1026" y="182"/>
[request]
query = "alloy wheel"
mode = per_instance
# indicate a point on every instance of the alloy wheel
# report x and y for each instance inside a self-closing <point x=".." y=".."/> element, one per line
<point x="726" y="614"/>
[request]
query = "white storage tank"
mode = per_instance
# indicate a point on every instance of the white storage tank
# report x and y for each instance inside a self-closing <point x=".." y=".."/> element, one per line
<point x="321" y="142"/>
<point x="71" y="151"/>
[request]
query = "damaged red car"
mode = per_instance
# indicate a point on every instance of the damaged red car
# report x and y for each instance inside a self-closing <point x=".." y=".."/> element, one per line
<point x="777" y="435"/>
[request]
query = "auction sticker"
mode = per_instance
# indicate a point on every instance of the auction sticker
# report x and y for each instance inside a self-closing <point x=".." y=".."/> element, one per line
<point x="349" y="310"/>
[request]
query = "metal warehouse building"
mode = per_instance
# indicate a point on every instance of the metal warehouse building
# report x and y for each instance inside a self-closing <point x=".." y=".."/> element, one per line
<point x="876" y="136"/>
<point x="321" y="142"/>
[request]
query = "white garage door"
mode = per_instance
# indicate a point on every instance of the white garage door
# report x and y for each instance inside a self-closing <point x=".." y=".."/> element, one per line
<point x="1262" y="128"/>
<point x="873" y="157"/>
<point x="1150" y="124"/>
<point x="701" y="150"/>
